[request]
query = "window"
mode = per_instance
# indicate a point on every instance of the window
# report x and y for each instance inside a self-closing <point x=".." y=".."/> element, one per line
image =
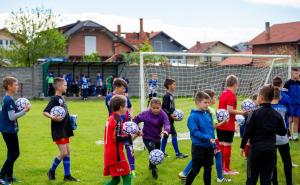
<point x="11" y="42"/>
<point x="90" y="45"/>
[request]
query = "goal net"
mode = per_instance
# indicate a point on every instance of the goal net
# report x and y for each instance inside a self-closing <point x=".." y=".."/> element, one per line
<point x="194" y="72"/>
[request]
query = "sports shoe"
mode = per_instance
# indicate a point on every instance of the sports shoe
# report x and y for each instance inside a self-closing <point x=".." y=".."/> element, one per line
<point x="70" y="178"/>
<point x="182" y="177"/>
<point x="4" y="182"/>
<point x="166" y="155"/>
<point x="223" y="180"/>
<point x="133" y="173"/>
<point x="295" y="165"/>
<point x="51" y="175"/>
<point x="11" y="180"/>
<point x="230" y="172"/>
<point x="154" y="173"/>
<point x="181" y="156"/>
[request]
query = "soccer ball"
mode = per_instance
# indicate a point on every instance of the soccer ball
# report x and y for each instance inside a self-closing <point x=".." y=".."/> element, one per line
<point x="21" y="103"/>
<point x="248" y="105"/>
<point x="58" y="111"/>
<point x="178" y="114"/>
<point x="130" y="127"/>
<point x="156" y="157"/>
<point x="222" y="115"/>
<point x="240" y="119"/>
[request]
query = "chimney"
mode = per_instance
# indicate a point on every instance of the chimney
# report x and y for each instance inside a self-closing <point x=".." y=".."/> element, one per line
<point x="119" y="30"/>
<point x="198" y="43"/>
<point x="141" y="25"/>
<point x="267" y="27"/>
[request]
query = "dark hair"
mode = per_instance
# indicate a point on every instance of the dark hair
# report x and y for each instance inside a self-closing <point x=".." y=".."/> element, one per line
<point x="201" y="96"/>
<point x="117" y="102"/>
<point x="254" y="97"/>
<point x="277" y="81"/>
<point x="277" y="94"/>
<point x="168" y="82"/>
<point x="8" y="81"/>
<point x="57" y="82"/>
<point x="119" y="82"/>
<point x="210" y="92"/>
<point x="231" y="80"/>
<point x="294" y="69"/>
<point x="267" y="91"/>
<point x="155" y="101"/>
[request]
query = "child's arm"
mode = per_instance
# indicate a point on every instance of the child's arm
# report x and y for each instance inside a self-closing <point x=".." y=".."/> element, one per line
<point x="248" y="132"/>
<point x="54" y="118"/>
<point x="13" y="115"/>
<point x="166" y="122"/>
<point x="119" y="136"/>
<point x="281" y="129"/>
<point x="231" y="110"/>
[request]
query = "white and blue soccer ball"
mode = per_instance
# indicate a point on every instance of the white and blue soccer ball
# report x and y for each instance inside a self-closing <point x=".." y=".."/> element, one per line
<point x="21" y="103"/>
<point x="130" y="127"/>
<point x="178" y="114"/>
<point x="248" y="105"/>
<point x="222" y="115"/>
<point x="156" y="157"/>
<point x="240" y="119"/>
<point x="58" y="111"/>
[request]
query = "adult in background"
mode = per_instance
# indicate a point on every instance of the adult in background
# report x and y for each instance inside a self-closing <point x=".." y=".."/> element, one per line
<point x="50" y="80"/>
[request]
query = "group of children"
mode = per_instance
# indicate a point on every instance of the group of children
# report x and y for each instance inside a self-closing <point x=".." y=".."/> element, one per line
<point x="265" y="130"/>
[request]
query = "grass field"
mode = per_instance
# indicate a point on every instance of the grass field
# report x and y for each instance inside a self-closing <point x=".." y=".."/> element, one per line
<point x="38" y="151"/>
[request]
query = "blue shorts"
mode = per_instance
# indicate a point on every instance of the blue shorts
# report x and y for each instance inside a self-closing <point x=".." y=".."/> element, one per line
<point x="295" y="110"/>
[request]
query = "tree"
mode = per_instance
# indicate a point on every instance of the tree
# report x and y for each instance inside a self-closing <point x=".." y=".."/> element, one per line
<point x="36" y="36"/>
<point x="93" y="57"/>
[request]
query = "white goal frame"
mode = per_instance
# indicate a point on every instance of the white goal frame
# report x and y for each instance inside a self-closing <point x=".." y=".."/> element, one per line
<point x="143" y="54"/>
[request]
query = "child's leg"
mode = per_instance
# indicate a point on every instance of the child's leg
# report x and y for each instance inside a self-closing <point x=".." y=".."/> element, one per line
<point x="63" y="151"/>
<point x="284" y="151"/>
<point x="295" y="127"/>
<point x="150" y="145"/>
<point x="130" y="155"/>
<point x="207" y="175"/>
<point x="197" y="163"/>
<point x="188" y="168"/>
<point x="13" y="153"/>
<point x="114" y="181"/>
<point x="164" y="143"/>
<point x="175" y="144"/>
<point x="67" y="161"/>
<point x="126" y="180"/>
<point x="218" y="157"/>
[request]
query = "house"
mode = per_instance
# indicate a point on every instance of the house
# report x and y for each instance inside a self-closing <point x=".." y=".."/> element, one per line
<point x="210" y="47"/>
<point x="238" y="60"/>
<point x="6" y="38"/>
<point x="87" y="37"/>
<point x="279" y="39"/>
<point x="242" y="46"/>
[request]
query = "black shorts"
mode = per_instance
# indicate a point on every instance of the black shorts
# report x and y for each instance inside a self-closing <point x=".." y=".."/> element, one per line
<point x="152" y="95"/>
<point x="225" y="136"/>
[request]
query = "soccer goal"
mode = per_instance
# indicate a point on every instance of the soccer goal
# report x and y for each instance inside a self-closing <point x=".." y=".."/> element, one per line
<point x="194" y="72"/>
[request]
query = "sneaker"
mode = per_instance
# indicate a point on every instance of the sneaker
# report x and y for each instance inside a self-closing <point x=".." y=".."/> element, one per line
<point x="154" y="173"/>
<point x="295" y="165"/>
<point x="181" y="175"/>
<point x="223" y="180"/>
<point x="3" y="182"/>
<point x="166" y="155"/>
<point x="230" y="172"/>
<point x="181" y="156"/>
<point x="70" y="178"/>
<point x="51" y="175"/>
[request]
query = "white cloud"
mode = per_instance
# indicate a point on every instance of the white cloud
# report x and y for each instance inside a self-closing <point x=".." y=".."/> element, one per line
<point x="183" y="34"/>
<point x="290" y="3"/>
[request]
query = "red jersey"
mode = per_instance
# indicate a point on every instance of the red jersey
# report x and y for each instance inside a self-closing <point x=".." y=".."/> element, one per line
<point x="115" y="162"/>
<point x="228" y="98"/>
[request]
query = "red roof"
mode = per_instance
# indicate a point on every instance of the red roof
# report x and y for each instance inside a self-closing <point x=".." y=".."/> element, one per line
<point x="203" y="47"/>
<point x="237" y="60"/>
<point x="279" y="33"/>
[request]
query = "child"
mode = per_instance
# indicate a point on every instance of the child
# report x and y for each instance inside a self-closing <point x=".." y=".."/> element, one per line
<point x="9" y="128"/>
<point x="282" y="142"/>
<point x="293" y="87"/>
<point x="261" y="128"/>
<point x="201" y="129"/>
<point x="154" y="120"/>
<point x="169" y="107"/>
<point x="218" y="155"/>
<point x="84" y="87"/>
<point x="152" y="86"/>
<point x="226" y="131"/>
<point x="119" y="89"/>
<point x="109" y="82"/>
<point x="61" y="130"/>
<point x="115" y="163"/>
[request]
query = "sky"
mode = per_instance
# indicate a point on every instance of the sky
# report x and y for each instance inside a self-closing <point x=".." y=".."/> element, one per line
<point x="188" y="21"/>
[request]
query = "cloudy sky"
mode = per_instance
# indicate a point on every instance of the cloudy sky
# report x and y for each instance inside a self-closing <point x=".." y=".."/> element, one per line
<point x="188" y="21"/>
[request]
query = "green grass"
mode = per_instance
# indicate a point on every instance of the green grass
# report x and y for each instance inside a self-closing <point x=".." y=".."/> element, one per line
<point x="38" y="150"/>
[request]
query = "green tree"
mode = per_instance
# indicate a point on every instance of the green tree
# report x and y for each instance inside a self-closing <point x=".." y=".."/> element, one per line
<point x="93" y="57"/>
<point x="36" y="36"/>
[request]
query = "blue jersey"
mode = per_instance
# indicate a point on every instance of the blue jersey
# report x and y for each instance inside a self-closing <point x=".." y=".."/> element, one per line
<point x="282" y="110"/>
<point x="153" y="85"/>
<point x="7" y="126"/>
<point x="285" y="100"/>
<point x="107" y="101"/>
<point x="293" y="87"/>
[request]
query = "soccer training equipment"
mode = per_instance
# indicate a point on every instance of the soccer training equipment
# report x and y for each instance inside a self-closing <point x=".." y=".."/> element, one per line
<point x="248" y="105"/>
<point x="130" y="127"/>
<point x="156" y="157"/>
<point x="58" y="111"/>
<point x="222" y="115"/>
<point x="21" y="104"/>
<point x="178" y="114"/>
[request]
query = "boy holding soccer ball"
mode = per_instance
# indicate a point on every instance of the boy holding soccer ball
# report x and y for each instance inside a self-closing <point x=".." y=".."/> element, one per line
<point x="9" y="128"/>
<point x="201" y="129"/>
<point x="168" y="106"/>
<point x="61" y="130"/>
<point x="115" y="163"/>
<point x="154" y="120"/>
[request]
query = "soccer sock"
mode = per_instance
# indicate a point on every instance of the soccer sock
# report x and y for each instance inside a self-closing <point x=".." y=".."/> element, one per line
<point x="227" y="155"/>
<point x="188" y="168"/>
<point x="55" y="164"/>
<point x="218" y="157"/>
<point x="175" y="145"/>
<point x="222" y="152"/>
<point x="114" y="181"/>
<point x="130" y="156"/>
<point x="67" y="165"/>
<point x="164" y="144"/>
<point x="126" y="180"/>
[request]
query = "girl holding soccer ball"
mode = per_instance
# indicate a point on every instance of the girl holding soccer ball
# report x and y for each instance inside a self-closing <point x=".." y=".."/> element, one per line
<point x="154" y="120"/>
